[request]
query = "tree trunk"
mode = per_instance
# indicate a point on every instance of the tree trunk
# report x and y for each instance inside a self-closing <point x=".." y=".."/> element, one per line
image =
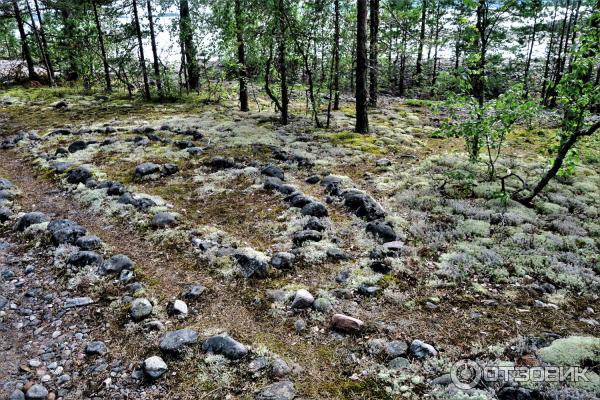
<point x="362" y="119"/>
<point x="336" y="55"/>
<point x="549" y="54"/>
<point x="436" y="46"/>
<point x="72" y="73"/>
<point x="282" y="64"/>
<point x="102" y="48"/>
<point x="138" y="32"/>
<point x="551" y="93"/>
<point x="419" y="67"/>
<point x="528" y="63"/>
<point x="373" y="53"/>
<point x="44" y="41"/>
<point x="40" y="46"/>
<point x="241" y="53"/>
<point x="187" y="39"/>
<point x="24" y="46"/>
<point x="156" y="62"/>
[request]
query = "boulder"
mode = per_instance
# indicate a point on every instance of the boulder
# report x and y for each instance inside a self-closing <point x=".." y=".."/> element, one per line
<point x="77" y="146"/>
<point x="170" y="169"/>
<point x="28" y="219"/>
<point x="65" y="231"/>
<point x="140" y="309"/>
<point x="5" y="184"/>
<point x="5" y="214"/>
<point x="221" y="163"/>
<point x="382" y="231"/>
<point x="282" y="260"/>
<point x="146" y="169"/>
<point x="315" y="209"/>
<point x="79" y="175"/>
<point x="346" y="324"/>
<point x="226" y="346"/>
<point x="36" y="392"/>
<point x="164" y="220"/>
<point x="88" y="242"/>
<point x="252" y="264"/>
<point x="312" y="179"/>
<point x="116" y="264"/>
<point x="362" y="205"/>
<point x="154" y="367"/>
<point x="302" y="299"/>
<point x="298" y="200"/>
<point x="301" y="237"/>
<point x="273" y="171"/>
<point x="96" y="348"/>
<point x="282" y="390"/>
<point x="84" y="258"/>
<point x="421" y="350"/>
<point x="193" y="292"/>
<point x="176" y="341"/>
<point x="314" y="224"/>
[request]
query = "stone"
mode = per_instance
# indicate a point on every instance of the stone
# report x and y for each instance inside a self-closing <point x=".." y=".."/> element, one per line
<point x="176" y="341"/>
<point x="299" y="325"/>
<point x="61" y="105"/>
<point x="126" y="276"/>
<point x="5" y="214"/>
<point x="368" y="290"/>
<point x="77" y="146"/>
<point x="6" y="195"/>
<point x="315" y="209"/>
<point x="194" y="151"/>
<point x="184" y="144"/>
<point x="251" y="266"/>
<point x="36" y="392"/>
<point x="65" y="231"/>
<point x="421" y="350"/>
<point x="515" y="393"/>
<point x="362" y="205"/>
<point x="312" y="179"/>
<point x="383" y="162"/>
<point x="146" y="169"/>
<point x="338" y="254"/>
<point x="344" y="323"/>
<point x="283" y="390"/>
<point x="273" y="171"/>
<point x="314" y="224"/>
<point x="306" y="236"/>
<point x="164" y="220"/>
<point x="88" y="242"/>
<point x="380" y="267"/>
<point x="78" y="302"/>
<point x="170" y="169"/>
<point x="154" y="367"/>
<point x="84" y="258"/>
<point x="96" y="348"/>
<point x="302" y="299"/>
<point x="116" y="264"/>
<point x="79" y="175"/>
<point x="381" y="230"/>
<point x="221" y="163"/>
<point x="280" y="368"/>
<point x="179" y="308"/>
<point x="399" y="363"/>
<point x="28" y="219"/>
<point x="298" y="200"/>
<point x="443" y="380"/>
<point x="395" y="245"/>
<point x="115" y="189"/>
<point x="226" y="346"/>
<point x="258" y="364"/>
<point x="5" y="184"/>
<point x="193" y="292"/>
<point x="282" y="260"/>
<point x="140" y="309"/>
<point x="17" y="395"/>
<point x="396" y="348"/>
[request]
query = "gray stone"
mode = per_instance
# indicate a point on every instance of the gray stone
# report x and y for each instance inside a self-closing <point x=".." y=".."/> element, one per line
<point x="6" y="195"/>
<point x="399" y="363"/>
<point x="303" y="299"/>
<point x="362" y="205"/>
<point x="79" y="175"/>
<point x="5" y="184"/>
<point x="179" y="308"/>
<point x="126" y="276"/>
<point x="299" y="325"/>
<point x="251" y="267"/>
<point x="89" y="242"/>
<point x="77" y="146"/>
<point x="314" y="224"/>
<point x="298" y="200"/>
<point x="78" y="302"/>
<point x="258" y="364"/>
<point x="226" y="346"/>
<point x="65" y="231"/>
<point x="323" y="305"/>
<point x="280" y="368"/>
<point x="344" y="323"/>
<point x="17" y="395"/>
<point x="176" y="341"/>
<point x="146" y="169"/>
<point x="313" y="179"/>
<point x="28" y="219"/>
<point x="96" y="348"/>
<point x="222" y="163"/>
<point x="170" y="169"/>
<point x="396" y="348"/>
<point x="3" y="302"/>
<point x="421" y="350"/>
<point x="140" y="309"/>
<point x="84" y="258"/>
<point x="273" y="171"/>
<point x="116" y="264"/>
<point x="382" y="231"/>
<point x="5" y="214"/>
<point x="301" y="237"/>
<point x="193" y="292"/>
<point x="315" y="209"/>
<point x="154" y="367"/>
<point x="282" y="260"/>
<point x="37" y="392"/>
<point x="443" y="380"/>
<point x="164" y="220"/>
<point x="283" y="390"/>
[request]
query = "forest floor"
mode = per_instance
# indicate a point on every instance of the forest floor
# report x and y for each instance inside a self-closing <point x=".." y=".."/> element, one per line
<point x="396" y="229"/>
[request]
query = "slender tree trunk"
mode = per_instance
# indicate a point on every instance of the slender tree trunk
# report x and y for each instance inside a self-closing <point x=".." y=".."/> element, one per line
<point x="549" y="54"/>
<point x="68" y="42"/>
<point x="419" y="67"/>
<point x="374" y="53"/>
<point x="336" y="55"/>
<point x="436" y="46"/>
<point x="551" y="93"/>
<point x="187" y="38"/>
<point x="44" y="41"/>
<point x="574" y="35"/>
<point x="528" y="63"/>
<point x="402" y="72"/>
<point x="40" y="46"/>
<point x="362" y="119"/>
<point x="24" y="46"/>
<point x="282" y="63"/>
<point x="138" y="32"/>
<point x="156" y="62"/>
<point x="241" y="53"/>
<point x="102" y="48"/>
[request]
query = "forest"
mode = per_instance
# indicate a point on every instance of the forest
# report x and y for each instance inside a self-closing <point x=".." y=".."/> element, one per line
<point x="311" y="199"/>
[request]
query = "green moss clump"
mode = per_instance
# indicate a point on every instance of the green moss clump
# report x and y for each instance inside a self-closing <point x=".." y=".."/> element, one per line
<point x="356" y="141"/>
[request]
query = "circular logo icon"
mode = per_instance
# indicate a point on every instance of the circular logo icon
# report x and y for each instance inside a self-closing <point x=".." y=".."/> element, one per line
<point x="466" y="374"/>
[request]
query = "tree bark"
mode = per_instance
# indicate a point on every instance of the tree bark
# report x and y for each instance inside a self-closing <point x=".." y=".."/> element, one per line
<point x="373" y="52"/>
<point x="549" y="53"/>
<point x="40" y="46"/>
<point x="282" y="64"/>
<point x="44" y="41"/>
<point x="241" y="53"/>
<point x="336" y="55"/>
<point x="138" y="32"/>
<point x="156" y="62"/>
<point x="102" y="48"/>
<point x="33" y="76"/>
<point x="419" y="67"/>
<point x="362" y="119"/>
<point x="187" y="39"/>
<point x="528" y="63"/>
